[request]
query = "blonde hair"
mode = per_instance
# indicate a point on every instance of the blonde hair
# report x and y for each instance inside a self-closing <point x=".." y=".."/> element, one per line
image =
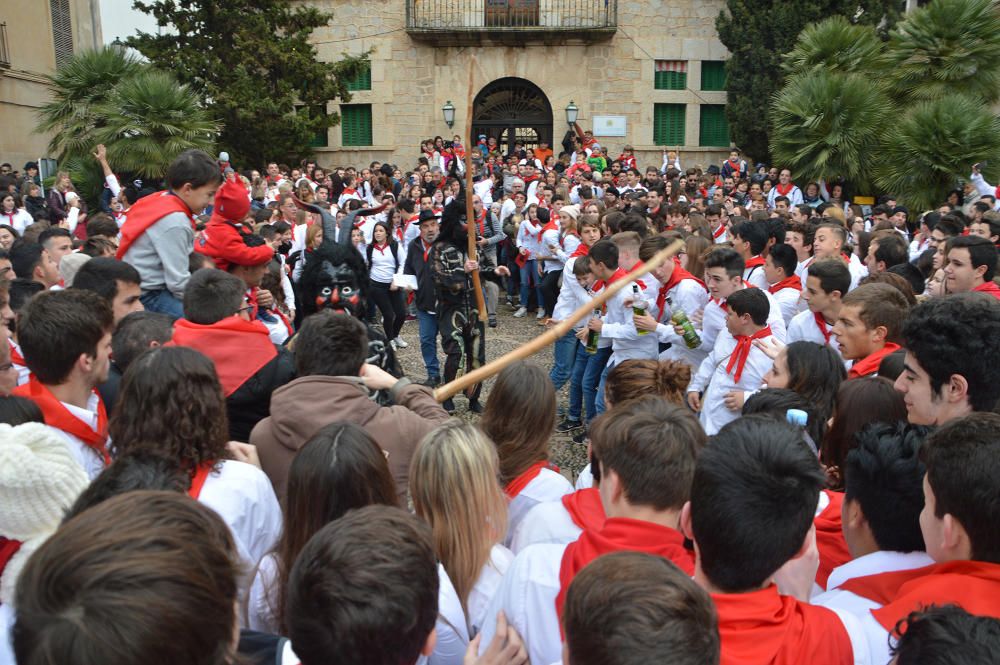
<point x="311" y="234"/>
<point x="454" y="486"/>
<point x="836" y="213"/>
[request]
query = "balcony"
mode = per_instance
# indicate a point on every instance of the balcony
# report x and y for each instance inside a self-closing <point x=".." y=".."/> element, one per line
<point x="472" y="21"/>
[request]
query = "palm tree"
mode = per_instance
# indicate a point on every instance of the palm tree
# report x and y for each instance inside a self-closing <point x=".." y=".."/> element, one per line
<point x="932" y="142"/>
<point x="835" y="45"/>
<point x="825" y="125"/>
<point x="77" y="87"/>
<point x="148" y="120"/>
<point x="142" y="114"/>
<point x="946" y="47"/>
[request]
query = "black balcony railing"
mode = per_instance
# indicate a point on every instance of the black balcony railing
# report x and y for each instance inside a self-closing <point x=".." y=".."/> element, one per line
<point x="4" y="49"/>
<point x="511" y="16"/>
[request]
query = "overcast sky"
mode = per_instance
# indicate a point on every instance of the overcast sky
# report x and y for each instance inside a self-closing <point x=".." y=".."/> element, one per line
<point x="118" y="19"/>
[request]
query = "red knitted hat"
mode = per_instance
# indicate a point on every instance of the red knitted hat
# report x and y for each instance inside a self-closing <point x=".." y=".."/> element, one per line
<point x="232" y="202"/>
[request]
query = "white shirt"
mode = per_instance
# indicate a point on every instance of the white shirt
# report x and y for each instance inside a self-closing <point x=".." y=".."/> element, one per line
<point x="88" y="458"/>
<point x="571" y="296"/>
<point x="789" y="301"/>
<point x="527" y="596"/>
<point x="794" y="196"/>
<point x="755" y="277"/>
<point x="243" y="497"/>
<point x="547" y="523"/>
<point x="854" y="266"/>
<point x="527" y="238"/>
<point x="619" y="326"/>
<point x="384" y="264"/>
<point x="548" y="485"/>
<point x="570" y="243"/>
<point x="713" y="379"/>
<point x="453" y="631"/>
<point x="713" y="322"/>
<point x="550" y="237"/>
<point x="869" y="564"/>
<point x="23" y="373"/>
<point x="690" y="296"/>
<point x="803" y="328"/>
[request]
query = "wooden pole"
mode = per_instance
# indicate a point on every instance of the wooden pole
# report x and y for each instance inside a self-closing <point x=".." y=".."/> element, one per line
<point x="470" y="219"/>
<point x="554" y="333"/>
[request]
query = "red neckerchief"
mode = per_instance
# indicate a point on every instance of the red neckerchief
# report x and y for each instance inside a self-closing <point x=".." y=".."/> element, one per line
<point x="381" y="248"/>
<point x="793" y="282"/>
<point x="618" y="274"/>
<point x="58" y="416"/>
<point x="198" y="479"/>
<point x="15" y="355"/>
<point x="765" y="628"/>
<point x="621" y="534"/>
<point x="10" y="216"/>
<point x="581" y="250"/>
<point x="551" y="225"/>
<point x="585" y="509"/>
<point x="406" y="226"/>
<point x="883" y="588"/>
<point x="238" y="348"/>
<point x="676" y="277"/>
<point x="148" y="211"/>
<point x="8" y="548"/>
<point x="784" y="189"/>
<point x="349" y="191"/>
<point x="481" y="222"/>
<point x="830" y="541"/>
<point x="717" y="233"/>
<point x="742" y="351"/>
<point x="973" y="585"/>
<point x="562" y="238"/>
<point x="755" y="262"/>
<point x="426" y="248"/>
<point x="517" y="485"/>
<point x="734" y="167"/>
<point x="869" y="365"/>
<point x="989" y="287"/>
<point x="821" y="324"/>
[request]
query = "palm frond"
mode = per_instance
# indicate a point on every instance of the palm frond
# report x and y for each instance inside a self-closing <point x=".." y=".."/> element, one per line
<point x="835" y="45"/>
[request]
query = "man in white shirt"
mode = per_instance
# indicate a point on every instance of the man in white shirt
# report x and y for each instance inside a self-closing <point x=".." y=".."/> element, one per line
<point x="883" y="481"/>
<point x="645" y="450"/>
<point x="783" y="283"/>
<point x="65" y="337"/>
<point x="826" y="284"/>
<point x="750" y="240"/>
<point x="828" y="243"/>
<point x="785" y="187"/>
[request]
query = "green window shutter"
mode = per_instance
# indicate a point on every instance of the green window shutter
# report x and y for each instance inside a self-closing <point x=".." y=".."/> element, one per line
<point x="670" y="75"/>
<point x="668" y="124"/>
<point x="714" y="126"/>
<point x="356" y="124"/>
<point x="713" y="75"/>
<point x="363" y="81"/>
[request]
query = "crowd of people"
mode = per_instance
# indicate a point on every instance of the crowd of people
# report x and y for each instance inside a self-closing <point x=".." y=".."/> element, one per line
<point x="210" y="454"/>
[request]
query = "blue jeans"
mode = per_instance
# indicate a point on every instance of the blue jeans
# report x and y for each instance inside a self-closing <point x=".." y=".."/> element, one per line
<point x="587" y="372"/>
<point x="529" y="271"/>
<point x="565" y="357"/>
<point x="599" y="406"/>
<point x="428" y="343"/>
<point x="162" y="301"/>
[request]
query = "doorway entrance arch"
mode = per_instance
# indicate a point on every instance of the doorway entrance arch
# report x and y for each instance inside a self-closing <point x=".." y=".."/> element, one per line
<point x="511" y="109"/>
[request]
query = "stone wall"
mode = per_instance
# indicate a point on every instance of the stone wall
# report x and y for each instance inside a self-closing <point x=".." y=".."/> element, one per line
<point x="412" y="79"/>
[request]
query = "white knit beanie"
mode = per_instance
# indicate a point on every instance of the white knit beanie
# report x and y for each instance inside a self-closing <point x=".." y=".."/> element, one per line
<point x="39" y="480"/>
<point x="571" y="211"/>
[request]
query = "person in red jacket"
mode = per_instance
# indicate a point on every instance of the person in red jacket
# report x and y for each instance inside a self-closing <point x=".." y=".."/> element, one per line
<point x="753" y="496"/>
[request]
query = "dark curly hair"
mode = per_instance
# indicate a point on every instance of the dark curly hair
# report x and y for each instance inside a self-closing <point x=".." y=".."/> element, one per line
<point x="171" y="404"/>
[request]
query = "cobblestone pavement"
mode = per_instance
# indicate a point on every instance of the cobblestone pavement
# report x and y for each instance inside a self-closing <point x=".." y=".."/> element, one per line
<point x="509" y="334"/>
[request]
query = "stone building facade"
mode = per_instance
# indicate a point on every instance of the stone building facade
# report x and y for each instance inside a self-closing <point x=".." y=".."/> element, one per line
<point x="35" y="37"/>
<point x="650" y="74"/>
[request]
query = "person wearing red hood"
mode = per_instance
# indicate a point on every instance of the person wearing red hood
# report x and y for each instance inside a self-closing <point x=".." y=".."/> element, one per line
<point x="217" y="322"/>
<point x="230" y="242"/>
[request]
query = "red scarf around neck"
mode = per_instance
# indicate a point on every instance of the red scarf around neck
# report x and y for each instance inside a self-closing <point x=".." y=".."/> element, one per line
<point x="15" y="354"/>
<point x="754" y="262"/>
<point x="58" y="416"/>
<point x="676" y="277"/>
<point x="717" y="233"/>
<point x="830" y="541"/>
<point x="869" y="365"/>
<point x="198" y="479"/>
<point x="585" y="509"/>
<point x="517" y="485"/>
<point x="148" y="211"/>
<point x="8" y="548"/>
<point x="783" y="190"/>
<point x="744" y="343"/>
<point x="238" y="348"/>
<point x="765" y="628"/>
<point x="734" y="167"/>
<point x="793" y="282"/>
<point x="581" y="250"/>
<point x="821" y="324"/>
<point x="974" y="585"/>
<point x="621" y="534"/>
<point x="551" y="225"/>
<point x="990" y="288"/>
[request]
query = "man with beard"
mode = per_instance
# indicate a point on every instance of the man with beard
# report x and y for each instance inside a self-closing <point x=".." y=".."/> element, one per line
<point x="462" y="333"/>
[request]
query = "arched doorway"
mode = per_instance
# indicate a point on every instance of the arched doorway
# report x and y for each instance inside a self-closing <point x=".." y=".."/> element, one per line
<point x="511" y="109"/>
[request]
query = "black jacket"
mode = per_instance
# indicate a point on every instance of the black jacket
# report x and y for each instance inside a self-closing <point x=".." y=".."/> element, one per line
<point x="425" y="296"/>
<point x="251" y="402"/>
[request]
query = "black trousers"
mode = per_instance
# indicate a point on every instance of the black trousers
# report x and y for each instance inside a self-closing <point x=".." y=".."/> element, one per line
<point x="393" y="308"/>
<point x="550" y="290"/>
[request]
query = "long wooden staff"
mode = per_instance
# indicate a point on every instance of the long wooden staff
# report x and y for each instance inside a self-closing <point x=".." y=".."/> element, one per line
<point x="477" y="285"/>
<point x="554" y="333"/>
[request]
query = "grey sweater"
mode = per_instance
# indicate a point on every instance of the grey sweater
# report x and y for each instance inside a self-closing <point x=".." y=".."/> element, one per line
<point x="161" y="254"/>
